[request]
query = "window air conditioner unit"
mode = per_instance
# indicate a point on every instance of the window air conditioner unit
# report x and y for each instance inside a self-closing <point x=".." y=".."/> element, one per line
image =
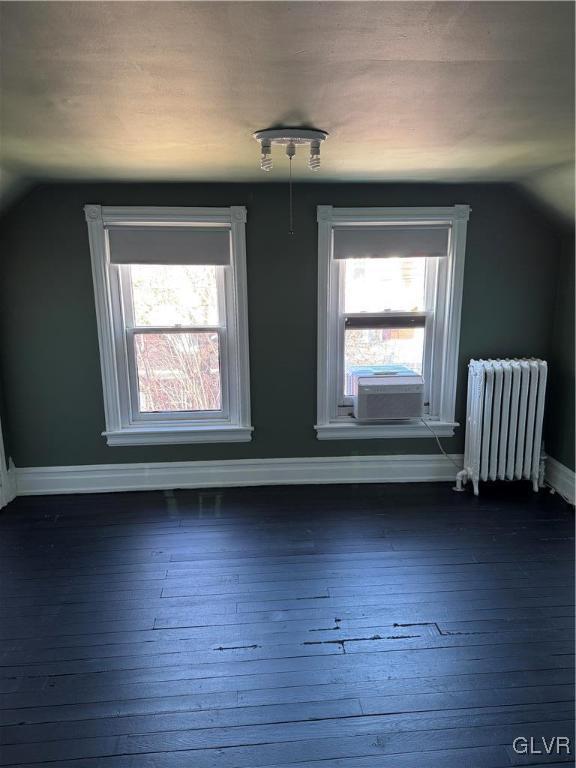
<point x="389" y="396"/>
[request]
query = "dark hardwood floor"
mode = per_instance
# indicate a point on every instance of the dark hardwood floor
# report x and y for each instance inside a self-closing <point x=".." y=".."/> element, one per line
<point x="314" y="627"/>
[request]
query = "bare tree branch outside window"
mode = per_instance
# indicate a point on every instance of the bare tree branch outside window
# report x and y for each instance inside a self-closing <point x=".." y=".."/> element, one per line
<point x="177" y="370"/>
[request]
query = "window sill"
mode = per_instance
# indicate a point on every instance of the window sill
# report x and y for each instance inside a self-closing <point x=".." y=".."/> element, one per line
<point x="352" y="430"/>
<point x="179" y="435"/>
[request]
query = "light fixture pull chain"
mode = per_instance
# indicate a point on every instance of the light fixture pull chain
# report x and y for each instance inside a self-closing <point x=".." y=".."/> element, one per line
<point x="290" y="208"/>
<point x="290" y="138"/>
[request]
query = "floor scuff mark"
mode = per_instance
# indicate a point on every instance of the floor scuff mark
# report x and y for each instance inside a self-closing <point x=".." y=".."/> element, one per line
<point x="237" y="647"/>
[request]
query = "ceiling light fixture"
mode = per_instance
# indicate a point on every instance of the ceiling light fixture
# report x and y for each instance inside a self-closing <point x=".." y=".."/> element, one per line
<point x="290" y="138"/>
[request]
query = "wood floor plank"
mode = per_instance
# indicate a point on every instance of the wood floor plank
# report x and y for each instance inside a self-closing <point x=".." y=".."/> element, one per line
<point x="305" y="627"/>
<point x="265" y="690"/>
<point x="387" y="730"/>
<point x="259" y="747"/>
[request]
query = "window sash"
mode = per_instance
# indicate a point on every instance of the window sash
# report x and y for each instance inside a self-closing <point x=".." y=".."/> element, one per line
<point x="386" y="319"/>
<point x="129" y="330"/>
<point x="139" y="416"/>
<point x="128" y="300"/>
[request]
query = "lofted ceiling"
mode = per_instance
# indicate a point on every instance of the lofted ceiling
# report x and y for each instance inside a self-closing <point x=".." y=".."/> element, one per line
<point x="173" y="90"/>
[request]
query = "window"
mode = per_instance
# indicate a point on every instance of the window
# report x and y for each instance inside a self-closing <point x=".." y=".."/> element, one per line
<point x="170" y="288"/>
<point x="390" y="285"/>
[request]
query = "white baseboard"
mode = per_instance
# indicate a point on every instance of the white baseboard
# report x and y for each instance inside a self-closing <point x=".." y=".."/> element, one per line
<point x="7" y="485"/>
<point x="102" y="478"/>
<point x="561" y="478"/>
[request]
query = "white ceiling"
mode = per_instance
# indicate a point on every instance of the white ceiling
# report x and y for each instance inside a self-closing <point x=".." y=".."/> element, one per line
<point x="408" y="90"/>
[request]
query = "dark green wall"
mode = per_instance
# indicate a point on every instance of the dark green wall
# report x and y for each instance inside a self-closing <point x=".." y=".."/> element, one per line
<point x="560" y="427"/>
<point x="49" y="348"/>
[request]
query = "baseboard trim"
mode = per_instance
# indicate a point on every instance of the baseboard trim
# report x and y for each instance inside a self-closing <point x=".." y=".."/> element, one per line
<point x="561" y="479"/>
<point x="8" y="482"/>
<point x="103" y="478"/>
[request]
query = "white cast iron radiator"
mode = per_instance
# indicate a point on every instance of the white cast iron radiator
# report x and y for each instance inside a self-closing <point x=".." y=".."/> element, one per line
<point x="504" y="422"/>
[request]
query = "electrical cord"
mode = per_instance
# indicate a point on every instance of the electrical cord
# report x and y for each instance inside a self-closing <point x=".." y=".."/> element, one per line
<point x="429" y="428"/>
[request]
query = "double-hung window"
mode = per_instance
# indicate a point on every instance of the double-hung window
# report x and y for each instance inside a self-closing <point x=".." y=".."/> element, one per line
<point x="390" y="289"/>
<point x="170" y="289"/>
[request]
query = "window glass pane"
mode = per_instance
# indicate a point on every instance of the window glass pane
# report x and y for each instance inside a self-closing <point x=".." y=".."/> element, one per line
<point x="168" y="295"/>
<point x="380" y="285"/>
<point x="379" y="350"/>
<point x="178" y="371"/>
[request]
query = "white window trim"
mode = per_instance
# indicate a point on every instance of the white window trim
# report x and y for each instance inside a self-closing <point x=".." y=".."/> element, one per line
<point x="329" y="425"/>
<point x="121" y="427"/>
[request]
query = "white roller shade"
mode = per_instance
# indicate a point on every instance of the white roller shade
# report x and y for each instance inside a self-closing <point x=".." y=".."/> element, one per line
<point x="389" y="242"/>
<point x="169" y="245"/>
